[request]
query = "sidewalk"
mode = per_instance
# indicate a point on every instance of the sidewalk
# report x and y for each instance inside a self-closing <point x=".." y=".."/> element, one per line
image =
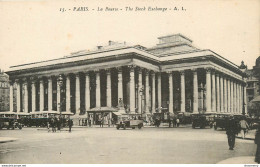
<point x="7" y="139"/>
<point x="239" y="160"/>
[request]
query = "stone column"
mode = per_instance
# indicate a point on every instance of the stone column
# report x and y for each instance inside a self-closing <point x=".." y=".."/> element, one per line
<point x="159" y="93"/>
<point x="218" y="92"/>
<point x="231" y="96"/>
<point x="98" y="98"/>
<point x="109" y="98"/>
<point x="147" y="91"/>
<point x="228" y="95"/>
<point x="132" y="89"/>
<point x="87" y="92"/>
<point x="153" y="92"/>
<point x="208" y="90"/>
<point x="170" y="92"/>
<point x="195" y="91"/>
<point x="245" y="99"/>
<point x="77" y="94"/>
<point x="120" y="88"/>
<point x="235" y="97"/>
<point x="33" y="95"/>
<point x="18" y="98"/>
<point x="68" y="108"/>
<point x="240" y="98"/>
<point x="221" y="94"/>
<point x="11" y="97"/>
<point x="140" y="86"/>
<point x="225" y="94"/>
<point x="41" y="94"/>
<point x="50" y="93"/>
<point x="213" y="99"/>
<point x="182" y="91"/>
<point x="58" y="95"/>
<point x="25" y="86"/>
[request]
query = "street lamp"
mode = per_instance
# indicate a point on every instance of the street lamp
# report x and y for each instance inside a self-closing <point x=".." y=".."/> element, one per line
<point x="141" y="94"/>
<point x="60" y="83"/>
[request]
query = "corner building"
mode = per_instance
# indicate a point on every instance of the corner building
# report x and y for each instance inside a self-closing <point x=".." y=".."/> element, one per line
<point x="174" y="75"/>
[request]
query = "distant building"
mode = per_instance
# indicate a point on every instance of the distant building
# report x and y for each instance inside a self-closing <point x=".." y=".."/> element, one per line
<point x="4" y="91"/>
<point x="253" y="80"/>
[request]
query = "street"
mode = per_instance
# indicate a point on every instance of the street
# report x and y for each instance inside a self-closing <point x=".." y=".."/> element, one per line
<point x="182" y="145"/>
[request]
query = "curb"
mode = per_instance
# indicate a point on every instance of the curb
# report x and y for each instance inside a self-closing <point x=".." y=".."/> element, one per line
<point x="7" y="139"/>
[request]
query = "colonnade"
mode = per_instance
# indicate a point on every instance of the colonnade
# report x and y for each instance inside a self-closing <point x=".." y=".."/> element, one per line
<point x="224" y="94"/>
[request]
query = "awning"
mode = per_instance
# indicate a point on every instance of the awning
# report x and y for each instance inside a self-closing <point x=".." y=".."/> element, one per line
<point x="103" y="109"/>
<point x="117" y="113"/>
<point x="256" y="100"/>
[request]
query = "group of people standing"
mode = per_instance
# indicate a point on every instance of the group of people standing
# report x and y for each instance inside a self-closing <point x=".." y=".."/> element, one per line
<point x="56" y="122"/>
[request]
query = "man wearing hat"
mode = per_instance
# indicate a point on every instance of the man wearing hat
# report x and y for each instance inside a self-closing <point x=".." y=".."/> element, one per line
<point x="231" y="131"/>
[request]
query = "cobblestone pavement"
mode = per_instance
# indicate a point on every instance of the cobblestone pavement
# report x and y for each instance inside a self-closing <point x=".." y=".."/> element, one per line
<point x="182" y="145"/>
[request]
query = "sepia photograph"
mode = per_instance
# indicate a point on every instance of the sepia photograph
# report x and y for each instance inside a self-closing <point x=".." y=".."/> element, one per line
<point x="109" y="82"/>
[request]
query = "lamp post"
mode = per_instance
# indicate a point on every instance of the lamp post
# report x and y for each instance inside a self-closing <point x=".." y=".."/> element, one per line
<point x="60" y="83"/>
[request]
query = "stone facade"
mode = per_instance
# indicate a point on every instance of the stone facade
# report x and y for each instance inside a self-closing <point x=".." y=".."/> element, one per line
<point x="4" y="92"/>
<point x="173" y="75"/>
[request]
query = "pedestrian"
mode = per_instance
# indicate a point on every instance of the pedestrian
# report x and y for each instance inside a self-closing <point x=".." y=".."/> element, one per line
<point x="102" y="122"/>
<point x="53" y="127"/>
<point x="231" y="131"/>
<point x="70" y="124"/>
<point x="257" y="142"/>
<point x="89" y="122"/>
<point x="244" y="127"/>
<point x="178" y="122"/>
<point x="83" y="122"/>
<point x="86" y="122"/>
<point x="59" y="124"/>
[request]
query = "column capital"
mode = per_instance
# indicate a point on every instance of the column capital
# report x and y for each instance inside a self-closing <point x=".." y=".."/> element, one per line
<point x="147" y="72"/>
<point x="209" y="69"/>
<point x="194" y="70"/>
<point x="86" y="73"/>
<point x="77" y="74"/>
<point x="17" y="80"/>
<point x="33" y="80"/>
<point x="11" y="82"/>
<point x="152" y="73"/>
<point x="132" y="67"/>
<point x="25" y="80"/>
<point x="107" y="70"/>
<point x="182" y="72"/>
<point x="119" y="69"/>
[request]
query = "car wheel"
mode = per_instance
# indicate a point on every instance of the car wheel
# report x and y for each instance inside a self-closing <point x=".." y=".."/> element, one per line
<point x="124" y="127"/>
<point x="117" y="127"/>
<point x="140" y="126"/>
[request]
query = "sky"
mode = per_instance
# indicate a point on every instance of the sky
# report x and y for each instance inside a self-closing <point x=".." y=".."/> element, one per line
<point x="36" y="31"/>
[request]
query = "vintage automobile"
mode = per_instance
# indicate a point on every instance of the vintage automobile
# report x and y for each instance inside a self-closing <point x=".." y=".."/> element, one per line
<point x="220" y="121"/>
<point x="163" y="117"/>
<point x="127" y="121"/>
<point x="202" y="120"/>
<point x="9" y="121"/>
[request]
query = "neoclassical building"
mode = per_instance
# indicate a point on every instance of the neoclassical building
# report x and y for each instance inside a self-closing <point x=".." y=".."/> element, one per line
<point x="173" y="75"/>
